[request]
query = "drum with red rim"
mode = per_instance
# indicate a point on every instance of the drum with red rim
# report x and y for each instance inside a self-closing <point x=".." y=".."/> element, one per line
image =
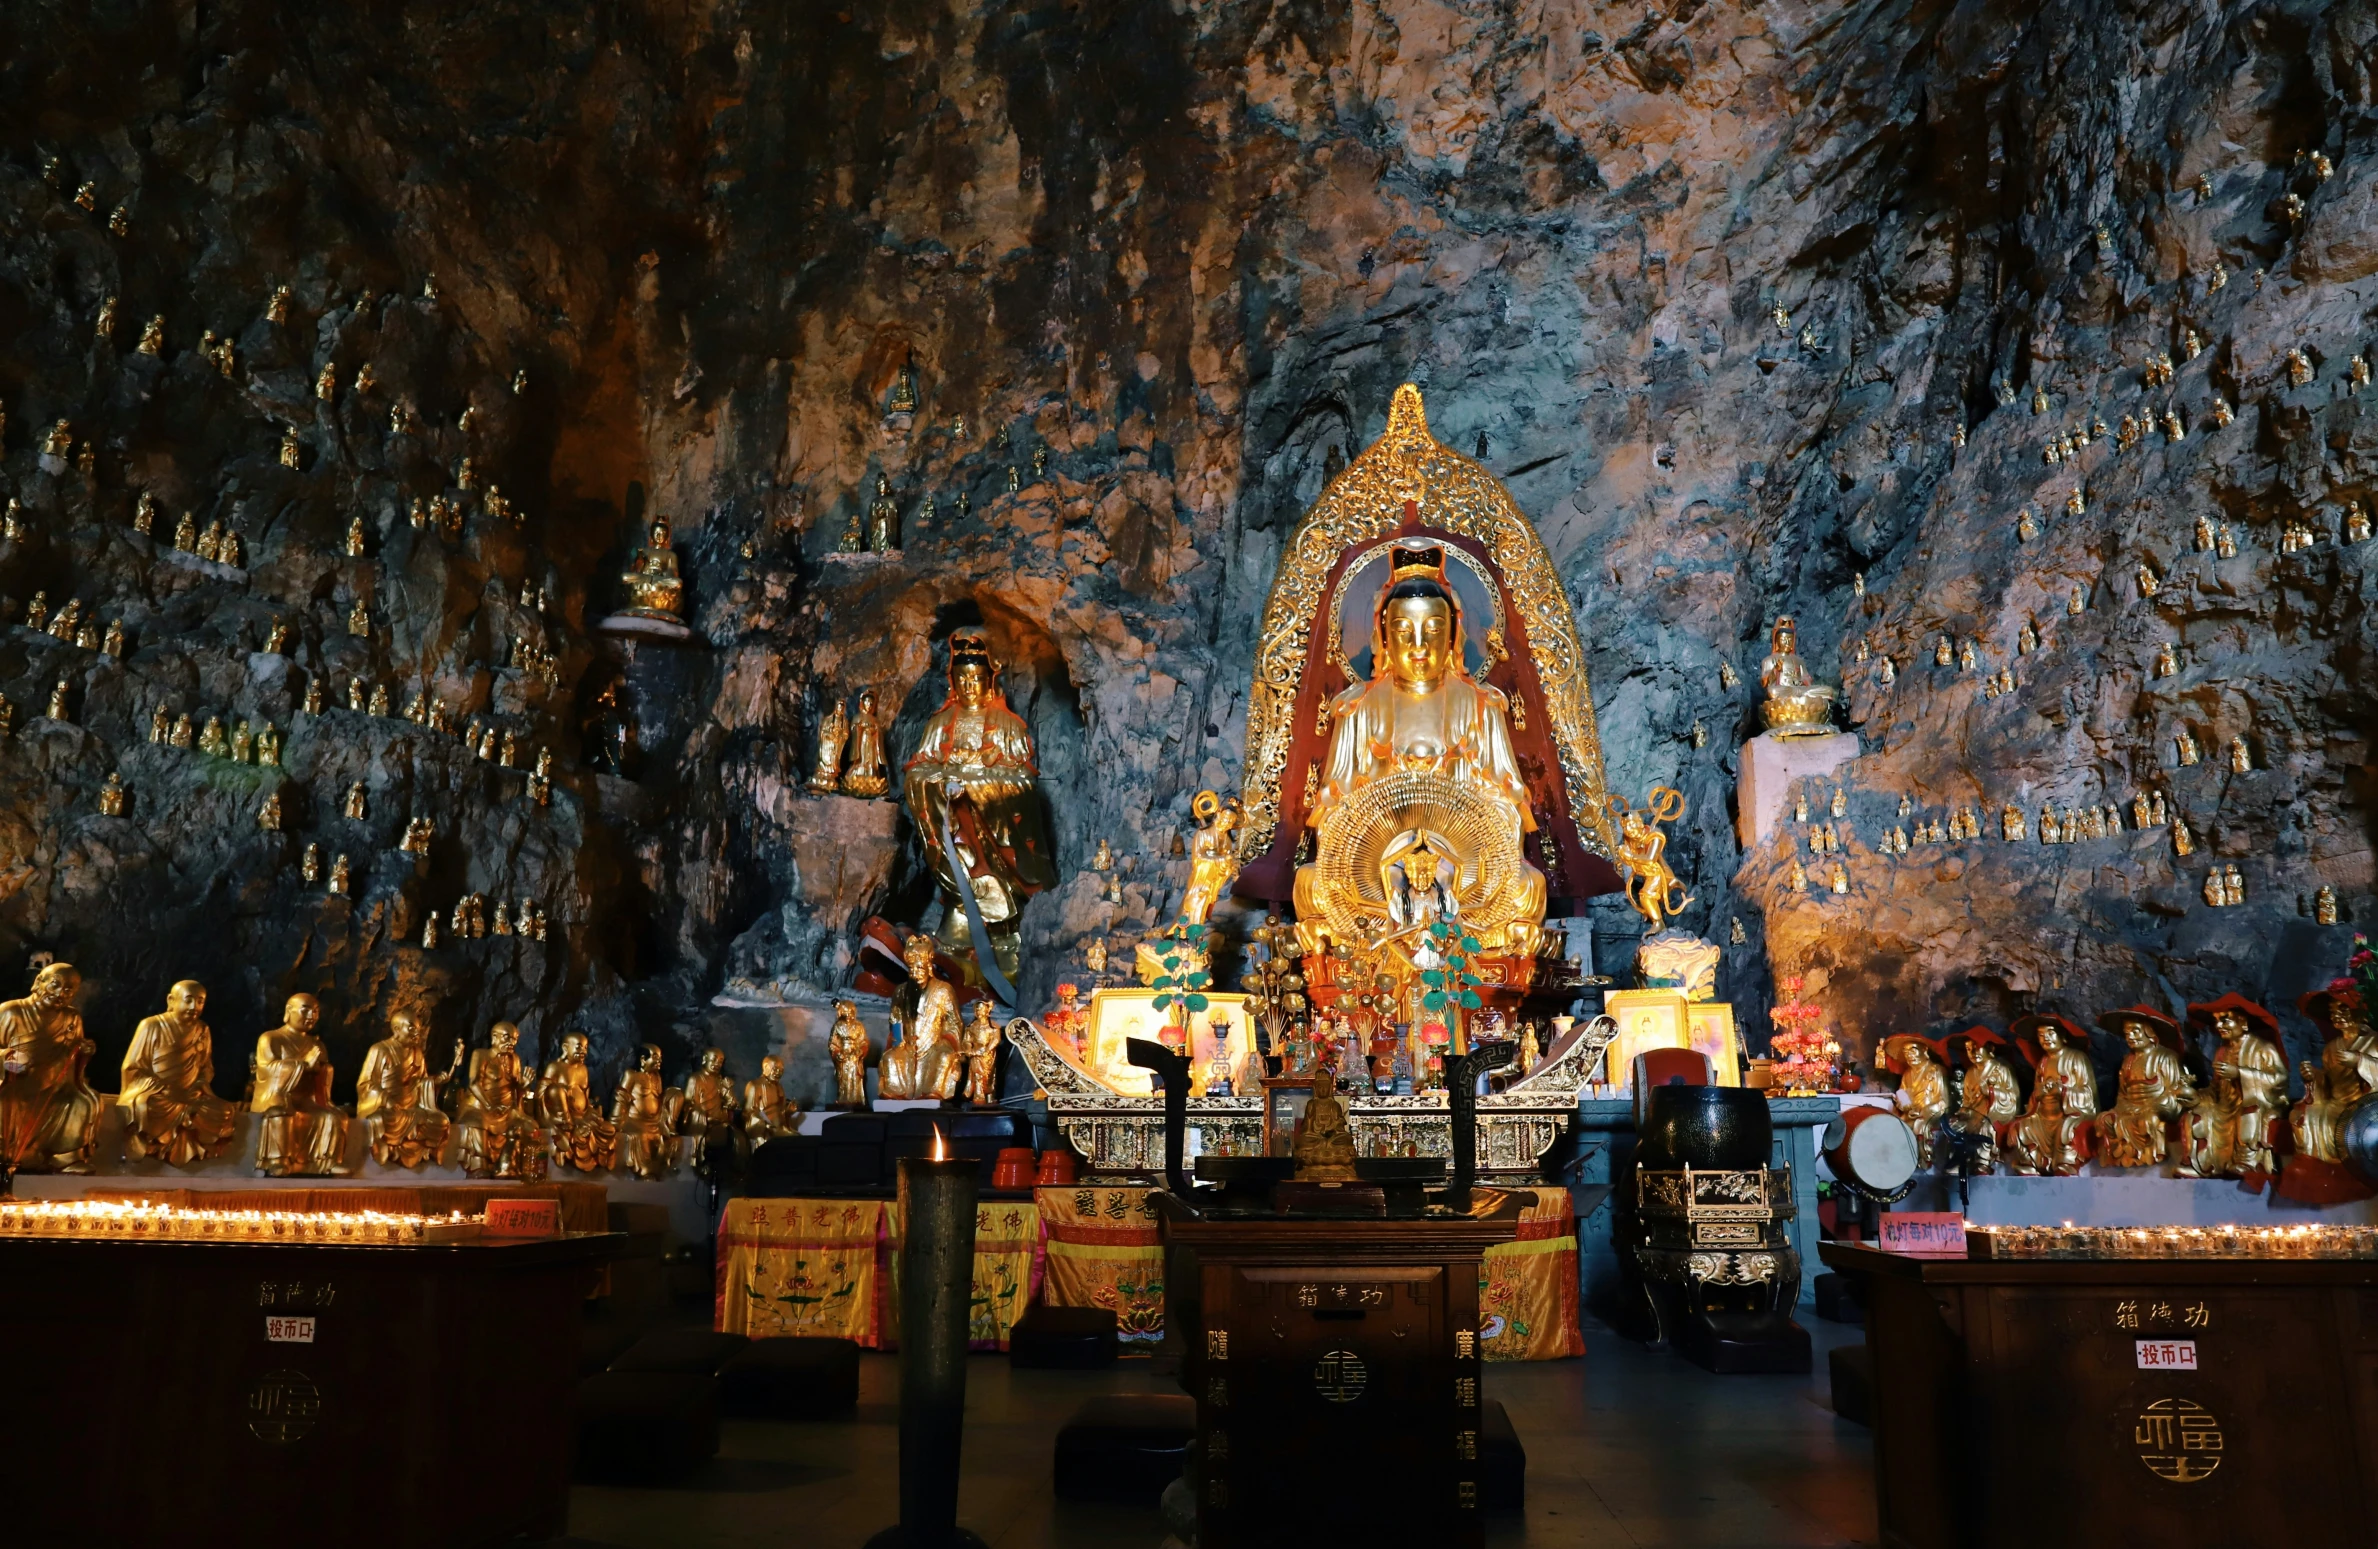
<point x="1871" y="1149"/>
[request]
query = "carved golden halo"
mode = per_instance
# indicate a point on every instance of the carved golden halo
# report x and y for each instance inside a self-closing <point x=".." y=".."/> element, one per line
<point x="1395" y="813"/>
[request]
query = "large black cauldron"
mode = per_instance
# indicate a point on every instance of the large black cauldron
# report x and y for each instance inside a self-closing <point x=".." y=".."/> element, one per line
<point x="1718" y="1128"/>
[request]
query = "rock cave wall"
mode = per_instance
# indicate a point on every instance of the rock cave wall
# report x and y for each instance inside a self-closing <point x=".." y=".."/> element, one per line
<point x="1756" y="309"/>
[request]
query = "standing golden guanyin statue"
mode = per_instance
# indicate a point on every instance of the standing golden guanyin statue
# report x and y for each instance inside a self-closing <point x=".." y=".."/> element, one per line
<point x="925" y="1060"/>
<point x="1988" y="1095"/>
<point x="2234" y="1121"/>
<point x="49" y="1116"/>
<point x="708" y="1119"/>
<point x="496" y="1117"/>
<point x="979" y="1043"/>
<point x="848" y="1046"/>
<point x="170" y="1109"/>
<point x="2051" y="1139"/>
<point x="645" y="1114"/>
<point x="1213" y="856"/>
<point x="300" y="1132"/>
<point x="767" y="1112"/>
<point x="655" y="589"/>
<point x="2154" y="1089"/>
<point x="1419" y="770"/>
<point x="397" y="1098"/>
<point x="582" y="1138"/>
<point x="1923" y="1088"/>
<point x="973" y="775"/>
<point x="1797" y="705"/>
<point x="867" y="772"/>
<point x="833" y="730"/>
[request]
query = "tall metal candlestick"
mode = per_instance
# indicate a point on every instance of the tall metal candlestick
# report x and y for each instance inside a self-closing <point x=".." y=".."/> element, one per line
<point x="936" y="1286"/>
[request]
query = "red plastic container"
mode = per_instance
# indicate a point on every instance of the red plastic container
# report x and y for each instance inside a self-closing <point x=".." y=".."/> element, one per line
<point x="1013" y="1168"/>
<point x="1056" y="1167"/>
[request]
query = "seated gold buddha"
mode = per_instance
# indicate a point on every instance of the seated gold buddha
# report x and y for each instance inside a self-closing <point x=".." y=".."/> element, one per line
<point x="655" y="589"/>
<point x="1420" y="785"/>
<point x="1797" y="704"/>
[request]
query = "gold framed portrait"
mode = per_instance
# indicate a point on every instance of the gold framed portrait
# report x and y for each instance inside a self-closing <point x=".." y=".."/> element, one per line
<point x="1219" y="1033"/>
<point x="1647" y="1019"/>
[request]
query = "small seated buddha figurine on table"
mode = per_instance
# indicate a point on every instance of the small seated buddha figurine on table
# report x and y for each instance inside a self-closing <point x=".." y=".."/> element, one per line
<point x="848" y="1046"/>
<point x="49" y="1116"/>
<point x="925" y="1061"/>
<point x="170" y="1109"/>
<point x="1797" y="705"/>
<point x="300" y="1132"/>
<point x="2154" y="1088"/>
<point x="645" y="1113"/>
<point x="396" y="1097"/>
<point x="655" y="589"/>
<point x="1924" y="1096"/>
<point x="707" y="1123"/>
<point x="582" y="1138"/>
<point x="2051" y="1138"/>
<point x="496" y="1116"/>
<point x="979" y="1043"/>
<point x="1323" y="1141"/>
<point x="2233" y="1121"/>
<point x="767" y="1112"/>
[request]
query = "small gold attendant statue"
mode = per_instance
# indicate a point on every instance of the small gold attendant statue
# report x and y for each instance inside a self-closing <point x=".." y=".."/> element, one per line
<point x="644" y="1113"/>
<point x="170" y="1109"/>
<point x="1323" y="1144"/>
<point x="300" y="1132"/>
<point x="2154" y="1089"/>
<point x="2047" y="1139"/>
<point x="1213" y="856"/>
<point x="582" y="1138"/>
<point x="655" y="590"/>
<point x="924" y="1061"/>
<point x="847" y="1044"/>
<point x="495" y="1118"/>
<point x="767" y="1112"/>
<point x="883" y="520"/>
<point x="2233" y="1122"/>
<point x="708" y="1120"/>
<point x="397" y="1098"/>
<point x="1652" y="885"/>
<point x="111" y="796"/>
<point x="1923" y="1088"/>
<point x="980" y="1044"/>
<point x="868" y="772"/>
<point x="833" y="730"/>
<point x="1797" y="705"/>
<point x="49" y="1116"/>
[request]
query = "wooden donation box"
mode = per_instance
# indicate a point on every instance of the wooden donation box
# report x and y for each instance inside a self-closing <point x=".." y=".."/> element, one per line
<point x="2037" y="1403"/>
<point x="265" y="1394"/>
<point x="1336" y="1371"/>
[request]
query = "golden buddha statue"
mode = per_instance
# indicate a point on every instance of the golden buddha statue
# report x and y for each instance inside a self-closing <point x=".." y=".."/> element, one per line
<point x="496" y="1117"/>
<point x="2232" y="1123"/>
<point x="2154" y="1089"/>
<point x="883" y="520"/>
<point x="867" y="772"/>
<point x="847" y="1045"/>
<point x="1323" y="1142"/>
<point x="1213" y="856"/>
<point x="979" y="1043"/>
<point x="767" y="1112"/>
<point x="1988" y="1095"/>
<point x="396" y="1097"/>
<point x="300" y="1132"/>
<point x="708" y="1120"/>
<point x="974" y="779"/>
<point x="924" y="1059"/>
<point x="1923" y="1088"/>
<point x="644" y="1112"/>
<point x="833" y="730"/>
<point x="655" y="590"/>
<point x="170" y="1109"/>
<point x="1419" y="771"/>
<point x="1797" y="705"/>
<point x="2046" y="1140"/>
<point x="582" y="1138"/>
<point x="49" y="1116"/>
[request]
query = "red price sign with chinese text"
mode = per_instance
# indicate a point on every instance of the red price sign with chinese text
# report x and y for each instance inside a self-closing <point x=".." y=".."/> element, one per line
<point x="1932" y="1234"/>
<point x="524" y="1218"/>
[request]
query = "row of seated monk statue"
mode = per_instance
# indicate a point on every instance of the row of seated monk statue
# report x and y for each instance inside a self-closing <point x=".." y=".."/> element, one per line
<point x="2234" y="1124"/>
<point x="502" y="1124"/>
<point x="933" y="1052"/>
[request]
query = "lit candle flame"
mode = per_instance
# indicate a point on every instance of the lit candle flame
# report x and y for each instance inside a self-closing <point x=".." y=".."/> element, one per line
<point x="941" y="1147"/>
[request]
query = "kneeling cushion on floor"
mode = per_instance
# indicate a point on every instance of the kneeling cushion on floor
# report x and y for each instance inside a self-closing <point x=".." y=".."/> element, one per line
<point x="1502" y="1461"/>
<point x="790" y="1379"/>
<point x="1853" y="1382"/>
<point x="1125" y="1447"/>
<point x="645" y="1427"/>
<point x="680" y="1350"/>
<point x="1070" y="1338"/>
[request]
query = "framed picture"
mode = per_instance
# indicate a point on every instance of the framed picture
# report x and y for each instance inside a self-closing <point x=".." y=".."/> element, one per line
<point x="1712" y="1032"/>
<point x="1647" y="1019"/>
<point x="1284" y="1101"/>
<point x="1219" y="1032"/>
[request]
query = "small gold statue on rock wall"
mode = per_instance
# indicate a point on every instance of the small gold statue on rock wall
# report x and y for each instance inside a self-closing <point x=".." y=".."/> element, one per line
<point x="833" y="730"/>
<point x="868" y="772"/>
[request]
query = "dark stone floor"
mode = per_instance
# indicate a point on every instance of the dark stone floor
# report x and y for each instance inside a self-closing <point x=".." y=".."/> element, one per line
<point x="1628" y="1446"/>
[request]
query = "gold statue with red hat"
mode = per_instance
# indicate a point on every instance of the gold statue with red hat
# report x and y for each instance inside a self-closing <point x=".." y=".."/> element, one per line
<point x="2154" y="1089"/>
<point x="1989" y="1095"/>
<point x="2347" y="1073"/>
<point x="2052" y="1138"/>
<point x="1924" y="1095"/>
<point x="2231" y="1125"/>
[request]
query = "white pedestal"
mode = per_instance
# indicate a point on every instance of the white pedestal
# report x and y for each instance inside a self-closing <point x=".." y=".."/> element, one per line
<point x="1769" y="766"/>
